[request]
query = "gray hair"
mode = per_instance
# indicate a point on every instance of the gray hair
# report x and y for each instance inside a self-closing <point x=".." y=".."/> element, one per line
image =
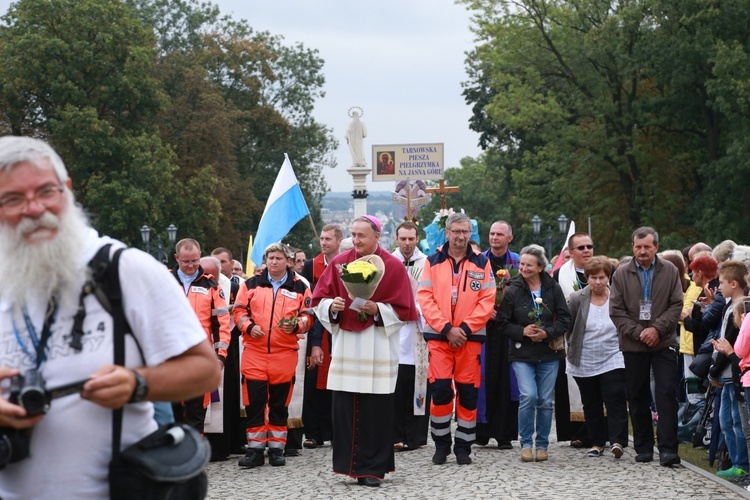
<point x="457" y="218"/>
<point x="742" y="253"/>
<point x="644" y="231"/>
<point x="276" y="247"/>
<point x="216" y="262"/>
<point x="346" y="244"/>
<point x="538" y="252"/>
<point x="14" y="150"/>
<point x="723" y="251"/>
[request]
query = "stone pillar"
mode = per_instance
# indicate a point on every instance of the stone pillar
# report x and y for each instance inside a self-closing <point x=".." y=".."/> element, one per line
<point x="360" y="189"/>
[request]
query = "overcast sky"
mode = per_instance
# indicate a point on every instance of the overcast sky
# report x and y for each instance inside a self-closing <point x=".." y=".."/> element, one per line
<point x="401" y="61"/>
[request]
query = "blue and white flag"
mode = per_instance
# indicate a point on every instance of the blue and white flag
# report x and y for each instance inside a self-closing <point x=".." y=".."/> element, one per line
<point x="284" y="208"/>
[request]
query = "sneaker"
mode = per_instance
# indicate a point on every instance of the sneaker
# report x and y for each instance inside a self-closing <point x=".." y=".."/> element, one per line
<point x="732" y="472"/>
<point x="541" y="455"/>
<point x="253" y="458"/>
<point x="440" y="456"/>
<point x="617" y="450"/>
<point x="595" y="452"/>
<point x="527" y="455"/>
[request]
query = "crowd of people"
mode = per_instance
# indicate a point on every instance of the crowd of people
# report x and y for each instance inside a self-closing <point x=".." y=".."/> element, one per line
<point x="467" y="345"/>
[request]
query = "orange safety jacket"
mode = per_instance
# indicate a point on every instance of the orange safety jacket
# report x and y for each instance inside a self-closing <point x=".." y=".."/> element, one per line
<point x="207" y="300"/>
<point x="257" y="304"/>
<point x="475" y="289"/>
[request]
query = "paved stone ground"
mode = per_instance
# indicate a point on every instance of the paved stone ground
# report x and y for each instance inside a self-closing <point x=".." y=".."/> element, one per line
<point x="493" y="474"/>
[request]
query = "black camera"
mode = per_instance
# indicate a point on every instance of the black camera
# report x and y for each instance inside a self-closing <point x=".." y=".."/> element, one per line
<point x="14" y="445"/>
<point x="28" y="391"/>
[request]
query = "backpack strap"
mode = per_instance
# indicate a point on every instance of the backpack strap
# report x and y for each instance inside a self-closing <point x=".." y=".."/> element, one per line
<point x="105" y="285"/>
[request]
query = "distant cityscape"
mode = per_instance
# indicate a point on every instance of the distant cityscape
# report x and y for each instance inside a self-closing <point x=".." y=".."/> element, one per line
<point x="338" y="208"/>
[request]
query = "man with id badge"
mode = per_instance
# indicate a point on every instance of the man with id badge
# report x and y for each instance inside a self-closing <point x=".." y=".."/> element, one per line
<point x="645" y="306"/>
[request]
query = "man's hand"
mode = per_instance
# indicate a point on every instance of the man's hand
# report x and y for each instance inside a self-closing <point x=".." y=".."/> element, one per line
<point x="494" y="315"/>
<point x="456" y="337"/>
<point x="650" y="336"/>
<point x="370" y="308"/>
<point x="256" y="332"/>
<point x="110" y="386"/>
<point x="316" y="357"/>
<point x="337" y="305"/>
<point x="12" y="415"/>
<point x="287" y="328"/>
<point x="715" y="383"/>
<point x="686" y="313"/>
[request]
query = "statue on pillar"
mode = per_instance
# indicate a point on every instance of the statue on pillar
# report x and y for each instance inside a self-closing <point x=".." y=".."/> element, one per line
<point x="355" y="133"/>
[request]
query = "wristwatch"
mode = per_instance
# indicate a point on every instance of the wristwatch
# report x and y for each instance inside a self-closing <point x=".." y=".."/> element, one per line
<point x="141" y="389"/>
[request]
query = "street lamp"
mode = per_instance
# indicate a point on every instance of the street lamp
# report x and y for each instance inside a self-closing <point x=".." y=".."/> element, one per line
<point x="562" y="226"/>
<point x="159" y="253"/>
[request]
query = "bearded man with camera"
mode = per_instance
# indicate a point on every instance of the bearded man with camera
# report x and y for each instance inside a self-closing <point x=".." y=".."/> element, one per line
<point x="59" y="380"/>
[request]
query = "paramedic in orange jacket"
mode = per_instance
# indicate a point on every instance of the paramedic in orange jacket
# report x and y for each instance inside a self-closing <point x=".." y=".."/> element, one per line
<point x="210" y="307"/>
<point x="457" y="295"/>
<point x="269" y="360"/>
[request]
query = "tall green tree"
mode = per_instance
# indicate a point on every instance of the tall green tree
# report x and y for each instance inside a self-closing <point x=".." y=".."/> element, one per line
<point x="567" y="85"/>
<point x="79" y="73"/>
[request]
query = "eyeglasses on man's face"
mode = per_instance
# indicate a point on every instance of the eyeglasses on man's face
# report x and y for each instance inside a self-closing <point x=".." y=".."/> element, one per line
<point x="581" y="248"/>
<point x="17" y="203"/>
<point x="190" y="262"/>
<point x="463" y="232"/>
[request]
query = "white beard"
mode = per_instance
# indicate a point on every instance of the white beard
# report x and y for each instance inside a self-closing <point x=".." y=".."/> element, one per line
<point x="46" y="269"/>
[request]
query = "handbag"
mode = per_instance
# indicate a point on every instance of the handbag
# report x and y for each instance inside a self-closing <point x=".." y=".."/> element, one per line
<point x="701" y="364"/>
<point x="168" y="463"/>
<point x="557" y="343"/>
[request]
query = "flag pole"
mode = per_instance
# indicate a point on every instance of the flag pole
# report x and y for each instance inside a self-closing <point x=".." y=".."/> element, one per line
<point x="315" y="231"/>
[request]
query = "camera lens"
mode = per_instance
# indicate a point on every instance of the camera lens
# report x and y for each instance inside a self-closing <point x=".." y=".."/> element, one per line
<point x="6" y="450"/>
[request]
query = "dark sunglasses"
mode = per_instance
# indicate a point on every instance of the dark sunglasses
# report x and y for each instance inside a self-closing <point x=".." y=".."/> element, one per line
<point x="581" y="248"/>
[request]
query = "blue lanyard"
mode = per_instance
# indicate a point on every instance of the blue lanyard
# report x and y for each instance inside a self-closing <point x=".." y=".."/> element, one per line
<point x="39" y="345"/>
<point x="646" y="282"/>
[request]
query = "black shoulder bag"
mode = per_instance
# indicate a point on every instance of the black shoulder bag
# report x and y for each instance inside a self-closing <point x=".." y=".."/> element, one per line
<point x="170" y="462"/>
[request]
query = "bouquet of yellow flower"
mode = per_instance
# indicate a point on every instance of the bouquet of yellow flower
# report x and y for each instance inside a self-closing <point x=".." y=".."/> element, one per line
<point x="362" y="277"/>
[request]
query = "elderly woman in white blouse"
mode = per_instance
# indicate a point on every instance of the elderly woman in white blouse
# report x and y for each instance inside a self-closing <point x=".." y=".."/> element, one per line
<point x="596" y="363"/>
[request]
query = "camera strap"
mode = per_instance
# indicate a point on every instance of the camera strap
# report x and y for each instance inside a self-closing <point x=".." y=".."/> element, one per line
<point x="39" y="342"/>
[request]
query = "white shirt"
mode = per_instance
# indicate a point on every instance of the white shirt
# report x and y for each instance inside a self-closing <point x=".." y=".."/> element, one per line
<point x="71" y="446"/>
<point x="600" y="350"/>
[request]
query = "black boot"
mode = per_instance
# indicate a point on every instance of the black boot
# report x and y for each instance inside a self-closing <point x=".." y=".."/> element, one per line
<point x="253" y="458"/>
<point x="276" y="457"/>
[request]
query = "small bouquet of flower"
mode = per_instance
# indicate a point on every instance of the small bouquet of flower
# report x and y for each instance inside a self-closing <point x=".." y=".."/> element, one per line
<point x="537" y="312"/>
<point x="362" y="277"/>
<point x="443" y="217"/>
<point x="502" y="278"/>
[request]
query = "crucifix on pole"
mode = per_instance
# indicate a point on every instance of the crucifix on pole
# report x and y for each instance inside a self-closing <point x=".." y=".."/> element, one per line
<point x="442" y="191"/>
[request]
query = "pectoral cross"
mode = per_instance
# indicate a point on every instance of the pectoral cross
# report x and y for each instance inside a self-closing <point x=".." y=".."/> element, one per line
<point x="442" y="191"/>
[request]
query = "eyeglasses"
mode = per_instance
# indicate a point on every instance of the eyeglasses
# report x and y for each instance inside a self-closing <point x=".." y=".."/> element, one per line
<point x="581" y="248"/>
<point x="464" y="232"/>
<point x="17" y="203"/>
<point x="190" y="262"/>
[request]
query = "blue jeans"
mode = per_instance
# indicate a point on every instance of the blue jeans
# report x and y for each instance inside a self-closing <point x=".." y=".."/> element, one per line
<point x="731" y="427"/>
<point x="536" y="383"/>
